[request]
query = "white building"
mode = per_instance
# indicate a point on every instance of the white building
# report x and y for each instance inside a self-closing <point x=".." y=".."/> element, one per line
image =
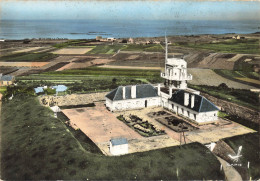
<point x="174" y="95"/>
<point x="132" y="97"/>
<point x="118" y="146"/>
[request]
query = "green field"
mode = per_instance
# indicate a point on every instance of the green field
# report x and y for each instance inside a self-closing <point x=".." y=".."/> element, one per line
<point x="35" y="146"/>
<point x="98" y="71"/>
<point x="239" y="96"/>
<point x="145" y="48"/>
<point x="72" y="43"/>
<point x="250" y="153"/>
<point x="247" y="46"/>
<point x="28" y="57"/>
<point x="105" y="49"/>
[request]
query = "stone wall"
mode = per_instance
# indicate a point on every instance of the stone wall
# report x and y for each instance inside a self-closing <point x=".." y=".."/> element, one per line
<point x="234" y="109"/>
<point x="72" y="99"/>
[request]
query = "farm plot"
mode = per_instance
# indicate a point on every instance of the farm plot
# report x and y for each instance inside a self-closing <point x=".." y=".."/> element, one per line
<point x="105" y="49"/>
<point x="27" y="49"/>
<point x="209" y="77"/>
<point x="72" y="51"/>
<point x="138" y="59"/>
<point x="28" y="57"/>
<point x="23" y="64"/>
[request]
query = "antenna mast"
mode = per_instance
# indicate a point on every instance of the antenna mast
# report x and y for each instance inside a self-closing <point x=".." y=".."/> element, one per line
<point x="166" y="48"/>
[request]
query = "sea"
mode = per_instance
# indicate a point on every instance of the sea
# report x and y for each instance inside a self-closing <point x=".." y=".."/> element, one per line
<point x="88" y="29"/>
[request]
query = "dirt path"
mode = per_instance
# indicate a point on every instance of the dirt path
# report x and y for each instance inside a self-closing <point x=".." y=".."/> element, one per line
<point x="230" y="173"/>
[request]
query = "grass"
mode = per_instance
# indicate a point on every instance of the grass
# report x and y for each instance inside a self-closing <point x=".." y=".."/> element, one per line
<point x="239" y="96"/>
<point x="247" y="46"/>
<point x="37" y="146"/>
<point x="239" y="76"/>
<point x="145" y="48"/>
<point x="3" y="90"/>
<point x="250" y="153"/>
<point x="105" y="49"/>
<point x="71" y="43"/>
<point x="28" y="57"/>
<point x="100" y="71"/>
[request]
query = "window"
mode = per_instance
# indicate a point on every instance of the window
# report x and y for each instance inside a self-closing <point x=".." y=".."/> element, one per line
<point x="194" y="116"/>
<point x="182" y="110"/>
<point x="172" y="106"/>
<point x="188" y="113"/>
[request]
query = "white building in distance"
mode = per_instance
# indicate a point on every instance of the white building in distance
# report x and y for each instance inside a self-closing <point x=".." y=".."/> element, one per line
<point x="174" y="95"/>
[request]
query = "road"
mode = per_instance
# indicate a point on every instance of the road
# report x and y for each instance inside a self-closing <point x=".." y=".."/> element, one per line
<point x="230" y="172"/>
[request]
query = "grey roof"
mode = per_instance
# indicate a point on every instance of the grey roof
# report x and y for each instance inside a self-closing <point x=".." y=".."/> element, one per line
<point x="6" y="77"/>
<point x="201" y="104"/>
<point x="142" y="91"/>
<point x="118" y="141"/>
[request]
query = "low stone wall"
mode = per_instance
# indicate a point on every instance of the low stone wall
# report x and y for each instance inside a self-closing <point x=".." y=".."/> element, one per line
<point x="235" y="109"/>
<point x="72" y="99"/>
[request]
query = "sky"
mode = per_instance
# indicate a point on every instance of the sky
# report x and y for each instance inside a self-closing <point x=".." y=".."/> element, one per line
<point x="129" y="10"/>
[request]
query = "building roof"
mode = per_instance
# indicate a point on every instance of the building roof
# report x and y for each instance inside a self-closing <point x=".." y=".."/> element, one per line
<point x="118" y="141"/>
<point x="38" y="90"/>
<point x="142" y="91"/>
<point x="201" y="104"/>
<point x="6" y="78"/>
<point x="60" y="88"/>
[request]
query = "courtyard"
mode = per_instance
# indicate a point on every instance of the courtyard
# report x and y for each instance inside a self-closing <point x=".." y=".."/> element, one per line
<point x="101" y="125"/>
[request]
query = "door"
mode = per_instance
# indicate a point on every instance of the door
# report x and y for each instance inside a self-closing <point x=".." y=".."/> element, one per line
<point x="145" y="103"/>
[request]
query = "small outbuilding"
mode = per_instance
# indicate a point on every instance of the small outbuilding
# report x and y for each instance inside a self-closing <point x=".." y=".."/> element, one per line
<point x="118" y="146"/>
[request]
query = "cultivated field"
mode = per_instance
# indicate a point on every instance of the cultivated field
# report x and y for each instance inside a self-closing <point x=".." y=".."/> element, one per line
<point x="27" y="49"/>
<point x="72" y="51"/>
<point x="209" y="77"/>
<point x="23" y="64"/>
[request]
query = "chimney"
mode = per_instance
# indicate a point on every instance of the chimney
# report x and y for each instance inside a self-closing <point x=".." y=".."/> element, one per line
<point x="123" y="92"/>
<point x="133" y="91"/>
<point x="159" y="89"/>
<point x="170" y="91"/>
<point x="186" y="98"/>
<point x="192" y="100"/>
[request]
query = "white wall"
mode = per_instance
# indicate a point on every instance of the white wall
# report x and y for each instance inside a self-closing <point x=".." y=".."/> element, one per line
<point x="198" y="117"/>
<point x="128" y="104"/>
<point x="118" y="149"/>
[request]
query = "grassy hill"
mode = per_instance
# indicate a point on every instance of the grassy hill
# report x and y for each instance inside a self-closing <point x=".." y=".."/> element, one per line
<point x="35" y="145"/>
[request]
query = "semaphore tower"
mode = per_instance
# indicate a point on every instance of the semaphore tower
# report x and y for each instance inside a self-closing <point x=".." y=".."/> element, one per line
<point x="175" y="71"/>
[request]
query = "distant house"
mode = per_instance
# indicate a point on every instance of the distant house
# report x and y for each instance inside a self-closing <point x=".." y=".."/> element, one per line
<point x="98" y="38"/>
<point x="111" y="39"/>
<point x="132" y="97"/>
<point x="6" y="80"/>
<point x="131" y="41"/>
<point x="118" y="146"/>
